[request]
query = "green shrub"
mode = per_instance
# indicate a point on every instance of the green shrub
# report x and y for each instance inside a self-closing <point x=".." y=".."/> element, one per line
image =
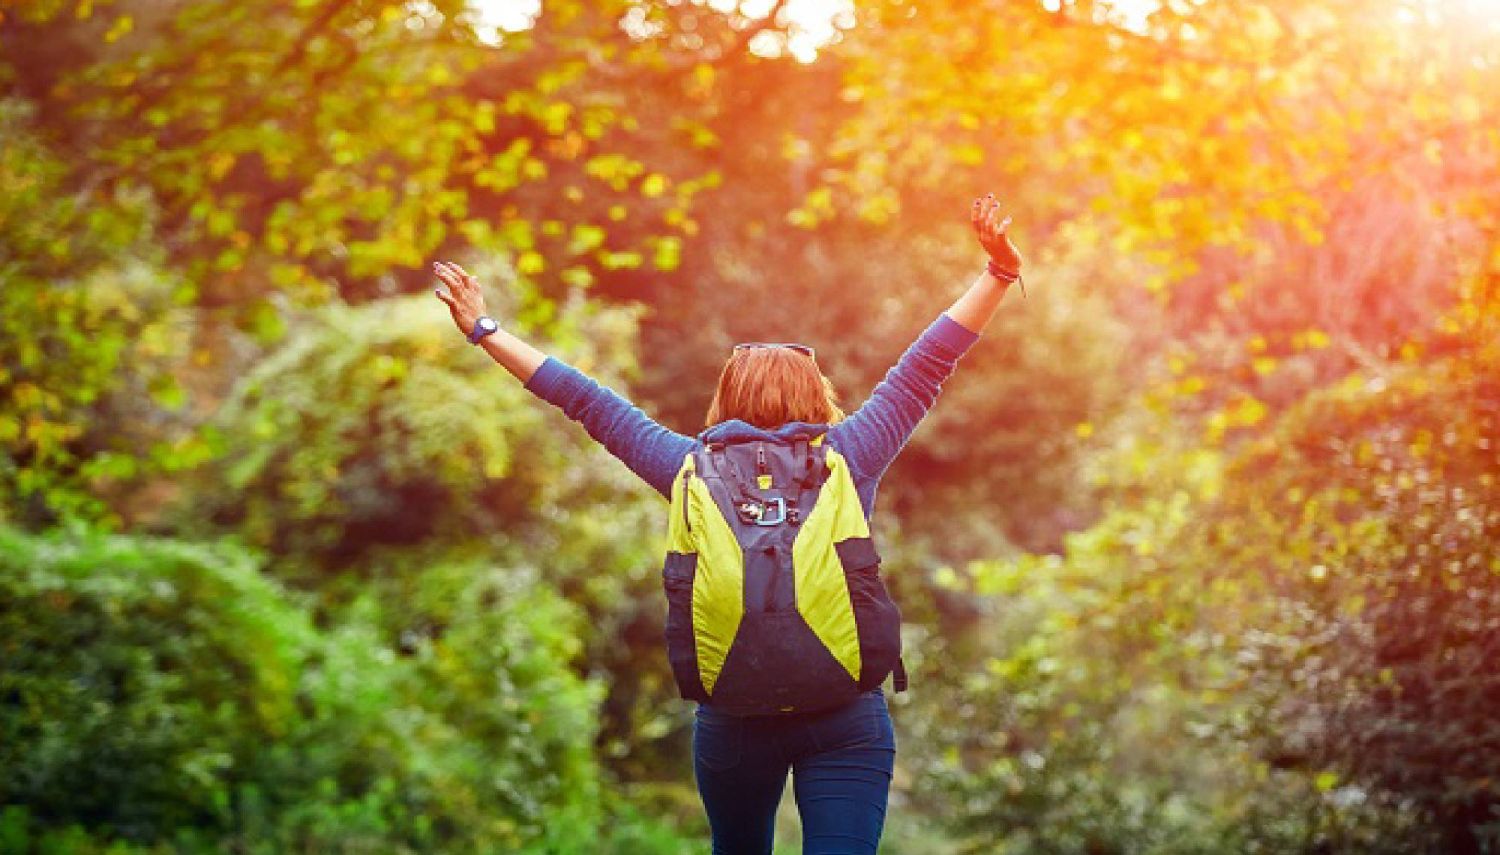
<point x="165" y="693"/>
<point x="376" y="427"/>
<point x="90" y="326"/>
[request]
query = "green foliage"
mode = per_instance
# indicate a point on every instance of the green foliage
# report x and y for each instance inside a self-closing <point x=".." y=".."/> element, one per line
<point x="374" y="444"/>
<point x="88" y="328"/>
<point x="1374" y="511"/>
<point x="377" y="426"/>
<point x="322" y="150"/>
<point x="143" y="676"/>
<point x="1287" y="645"/>
<point x="169" y="693"/>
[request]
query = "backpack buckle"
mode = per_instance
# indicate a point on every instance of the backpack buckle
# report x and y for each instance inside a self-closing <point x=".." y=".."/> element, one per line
<point x="761" y="514"/>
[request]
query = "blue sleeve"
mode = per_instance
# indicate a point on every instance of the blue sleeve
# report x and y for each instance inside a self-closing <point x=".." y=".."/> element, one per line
<point x="651" y="451"/>
<point x="874" y="434"/>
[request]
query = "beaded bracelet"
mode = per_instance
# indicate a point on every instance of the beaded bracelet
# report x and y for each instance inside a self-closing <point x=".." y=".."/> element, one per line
<point x="1006" y="276"/>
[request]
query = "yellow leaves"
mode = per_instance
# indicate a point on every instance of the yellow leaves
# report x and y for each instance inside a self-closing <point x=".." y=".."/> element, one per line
<point x="219" y="164"/>
<point x="668" y="253"/>
<point x="1247" y="412"/>
<point x="968" y="154"/>
<point x="27" y="396"/>
<point x="554" y="116"/>
<point x="1244" y="411"/>
<point x="507" y="168"/>
<point x="1432" y="151"/>
<point x="616" y="170"/>
<point x="516" y="233"/>
<point x="947" y="578"/>
<point x="119" y="29"/>
<point x="701" y="84"/>
<point x="10" y="428"/>
<point x="577" y="276"/>
<point x="1421" y="444"/>
<point x="880" y="207"/>
<point x="699" y="135"/>
<point x="585" y="238"/>
<point x="628" y="260"/>
<point x="1191" y="385"/>
<point x="654" y="185"/>
<point x="816" y="207"/>
<point x="530" y="263"/>
<point x="482" y="117"/>
<point x="1311" y="339"/>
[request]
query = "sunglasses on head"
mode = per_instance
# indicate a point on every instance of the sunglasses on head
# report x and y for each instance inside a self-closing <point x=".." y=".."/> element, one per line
<point x="800" y="348"/>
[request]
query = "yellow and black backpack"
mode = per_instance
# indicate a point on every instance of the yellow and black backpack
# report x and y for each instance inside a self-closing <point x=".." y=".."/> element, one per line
<point x="774" y="597"/>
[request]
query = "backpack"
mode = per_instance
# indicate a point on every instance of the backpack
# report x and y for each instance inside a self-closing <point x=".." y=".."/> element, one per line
<point x="774" y="598"/>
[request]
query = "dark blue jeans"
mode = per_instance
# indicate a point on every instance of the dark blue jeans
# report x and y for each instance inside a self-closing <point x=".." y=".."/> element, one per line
<point x="840" y="760"/>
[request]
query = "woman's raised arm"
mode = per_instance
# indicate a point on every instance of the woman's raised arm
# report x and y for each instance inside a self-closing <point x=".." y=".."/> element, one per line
<point x="976" y="306"/>
<point x="875" y="433"/>
<point x="649" y="449"/>
<point x="466" y="304"/>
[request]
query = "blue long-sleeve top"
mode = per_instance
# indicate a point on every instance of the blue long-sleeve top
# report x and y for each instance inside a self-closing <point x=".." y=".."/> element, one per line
<point x="870" y="438"/>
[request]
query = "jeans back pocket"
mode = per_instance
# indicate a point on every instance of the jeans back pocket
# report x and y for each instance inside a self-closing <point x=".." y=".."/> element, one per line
<point x="718" y="740"/>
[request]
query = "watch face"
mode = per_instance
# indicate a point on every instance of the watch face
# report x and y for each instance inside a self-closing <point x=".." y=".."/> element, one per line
<point x="483" y="326"/>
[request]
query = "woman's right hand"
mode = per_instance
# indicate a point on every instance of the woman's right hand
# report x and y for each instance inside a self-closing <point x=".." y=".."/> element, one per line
<point x="990" y="227"/>
<point x="466" y="300"/>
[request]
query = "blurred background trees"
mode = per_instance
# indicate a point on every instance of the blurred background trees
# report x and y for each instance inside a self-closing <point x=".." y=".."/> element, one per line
<point x="1198" y="553"/>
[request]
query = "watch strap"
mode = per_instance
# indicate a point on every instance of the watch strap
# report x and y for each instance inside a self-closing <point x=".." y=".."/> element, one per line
<point x="478" y="332"/>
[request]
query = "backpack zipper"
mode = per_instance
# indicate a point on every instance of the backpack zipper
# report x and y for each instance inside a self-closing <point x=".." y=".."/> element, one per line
<point x="687" y="476"/>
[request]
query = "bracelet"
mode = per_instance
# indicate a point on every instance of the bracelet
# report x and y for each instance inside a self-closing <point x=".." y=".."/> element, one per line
<point x="1007" y="276"/>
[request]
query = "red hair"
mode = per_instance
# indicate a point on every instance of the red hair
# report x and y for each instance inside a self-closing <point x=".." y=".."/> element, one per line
<point x="770" y="386"/>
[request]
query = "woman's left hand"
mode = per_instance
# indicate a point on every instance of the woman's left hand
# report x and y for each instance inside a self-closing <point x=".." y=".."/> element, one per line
<point x="466" y="301"/>
<point x="990" y="226"/>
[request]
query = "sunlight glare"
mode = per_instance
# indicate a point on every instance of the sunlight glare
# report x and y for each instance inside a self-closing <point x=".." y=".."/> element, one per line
<point x="493" y="18"/>
<point x="813" y="23"/>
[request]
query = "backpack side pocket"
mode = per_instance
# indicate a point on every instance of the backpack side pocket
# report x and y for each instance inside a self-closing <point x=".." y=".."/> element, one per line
<point x="875" y="614"/>
<point x="677" y="574"/>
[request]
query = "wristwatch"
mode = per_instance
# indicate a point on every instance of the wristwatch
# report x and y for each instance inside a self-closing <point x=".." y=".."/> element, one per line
<point x="483" y="326"/>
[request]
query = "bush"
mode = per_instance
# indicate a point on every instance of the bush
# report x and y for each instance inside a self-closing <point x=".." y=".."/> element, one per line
<point x="165" y="693"/>
<point x="90" y="327"/>
<point x="1374" y="514"/>
<point x="377" y="427"/>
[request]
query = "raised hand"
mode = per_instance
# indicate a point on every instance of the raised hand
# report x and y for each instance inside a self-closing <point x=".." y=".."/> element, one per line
<point x="990" y="226"/>
<point x="466" y="301"/>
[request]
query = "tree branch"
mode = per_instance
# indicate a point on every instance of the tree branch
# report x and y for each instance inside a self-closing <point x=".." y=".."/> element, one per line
<point x="310" y="32"/>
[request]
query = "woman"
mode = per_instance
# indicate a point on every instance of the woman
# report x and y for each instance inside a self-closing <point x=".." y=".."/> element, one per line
<point x="842" y="758"/>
